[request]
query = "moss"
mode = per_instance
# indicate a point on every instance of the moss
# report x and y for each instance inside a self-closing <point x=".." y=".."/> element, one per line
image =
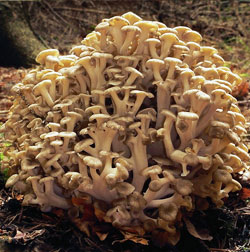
<point x="19" y="44"/>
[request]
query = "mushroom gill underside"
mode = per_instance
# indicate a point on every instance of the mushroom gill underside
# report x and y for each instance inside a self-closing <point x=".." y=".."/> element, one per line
<point x="139" y="116"/>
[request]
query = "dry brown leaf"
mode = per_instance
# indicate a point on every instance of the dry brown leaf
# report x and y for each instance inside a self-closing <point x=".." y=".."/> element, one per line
<point x="82" y="225"/>
<point x="22" y="237"/>
<point x="19" y="197"/>
<point x="134" y="230"/>
<point x="87" y="209"/>
<point x="245" y="193"/>
<point x="200" y="234"/>
<point x="58" y="212"/>
<point x="161" y="237"/>
<point x="132" y="237"/>
<point x="100" y="214"/>
<point x="102" y="236"/>
<point x="79" y="201"/>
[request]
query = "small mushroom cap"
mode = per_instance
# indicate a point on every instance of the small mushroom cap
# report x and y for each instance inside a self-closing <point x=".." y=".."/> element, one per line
<point x="29" y="164"/>
<point x="220" y="124"/>
<point x="149" y="112"/>
<point x="136" y="201"/>
<point x="101" y="55"/>
<point x="64" y="103"/>
<point x="172" y="60"/>
<point x="52" y="125"/>
<point x="134" y="125"/>
<point x="168" y="212"/>
<point x="73" y="114"/>
<point x="118" y="21"/>
<point x="95" y="109"/>
<point x="155" y="62"/>
<point x="155" y="185"/>
<point x="128" y="28"/>
<point x="109" y="154"/>
<point x="40" y="58"/>
<point x="56" y="142"/>
<point x="102" y="26"/>
<point x="208" y="50"/>
<point x="142" y="93"/>
<point x="131" y="17"/>
<point x="40" y="85"/>
<point x="193" y="46"/>
<point x="192" y="36"/>
<point x="169" y="37"/>
<point x="46" y="179"/>
<point x="51" y="75"/>
<point x="168" y="114"/>
<point x="151" y="170"/>
<point x="31" y="178"/>
<point x="67" y="134"/>
<point x="92" y="162"/>
<point x="124" y="188"/>
<point x="149" y="225"/>
<point x="197" y="93"/>
<point x="146" y="25"/>
<point x="34" y="122"/>
<point x="99" y="116"/>
<point x="80" y="146"/>
<point x="188" y="116"/>
<point x="222" y="176"/>
<point x="186" y="73"/>
<point x="12" y="180"/>
<point x="133" y="70"/>
<point x="183" y="186"/>
<point x="153" y="41"/>
<point x="181" y="30"/>
<point x="50" y="135"/>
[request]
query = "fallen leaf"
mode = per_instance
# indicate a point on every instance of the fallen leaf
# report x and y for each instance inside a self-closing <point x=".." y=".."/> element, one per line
<point x="19" y="197"/>
<point x="200" y="234"/>
<point x="82" y="225"/>
<point x="22" y="237"/>
<point x="100" y="214"/>
<point x="132" y="237"/>
<point x="88" y="211"/>
<point x="102" y="236"/>
<point x="79" y="201"/>
<point x="134" y="230"/>
<point x="161" y="237"/>
<point x="245" y="193"/>
<point x="58" y="212"/>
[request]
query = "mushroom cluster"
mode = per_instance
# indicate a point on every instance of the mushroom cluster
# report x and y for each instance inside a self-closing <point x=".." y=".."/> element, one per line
<point x="139" y="116"/>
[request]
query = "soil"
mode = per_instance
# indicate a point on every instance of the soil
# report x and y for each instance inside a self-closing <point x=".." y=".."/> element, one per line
<point x="28" y="229"/>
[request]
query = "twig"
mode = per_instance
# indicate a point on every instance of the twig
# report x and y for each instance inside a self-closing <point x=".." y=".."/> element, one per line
<point x="82" y="10"/>
<point x="241" y="24"/>
<point x="20" y="216"/>
<point x="79" y="19"/>
<point x="218" y="249"/>
<point x="55" y="13"/>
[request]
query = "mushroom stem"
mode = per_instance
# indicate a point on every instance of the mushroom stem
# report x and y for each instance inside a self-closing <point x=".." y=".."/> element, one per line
<point x="165" y="132"/>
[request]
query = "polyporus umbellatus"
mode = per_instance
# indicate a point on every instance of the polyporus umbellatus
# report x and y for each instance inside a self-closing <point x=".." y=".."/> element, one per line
<point x="139" y="115"/>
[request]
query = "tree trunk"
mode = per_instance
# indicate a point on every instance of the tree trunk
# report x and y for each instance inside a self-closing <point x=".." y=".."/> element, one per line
<point x="18" y="44"/>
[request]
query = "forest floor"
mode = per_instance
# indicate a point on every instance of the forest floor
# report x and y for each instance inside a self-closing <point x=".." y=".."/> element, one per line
<point x="28" y="229"/>
<point x="60" y="24"/>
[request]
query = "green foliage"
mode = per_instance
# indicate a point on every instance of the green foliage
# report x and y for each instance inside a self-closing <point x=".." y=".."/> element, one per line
<point x="3" y="172"/>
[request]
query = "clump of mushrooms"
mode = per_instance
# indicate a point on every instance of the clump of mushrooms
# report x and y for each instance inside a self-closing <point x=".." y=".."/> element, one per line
<point x="140" y="116"/>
